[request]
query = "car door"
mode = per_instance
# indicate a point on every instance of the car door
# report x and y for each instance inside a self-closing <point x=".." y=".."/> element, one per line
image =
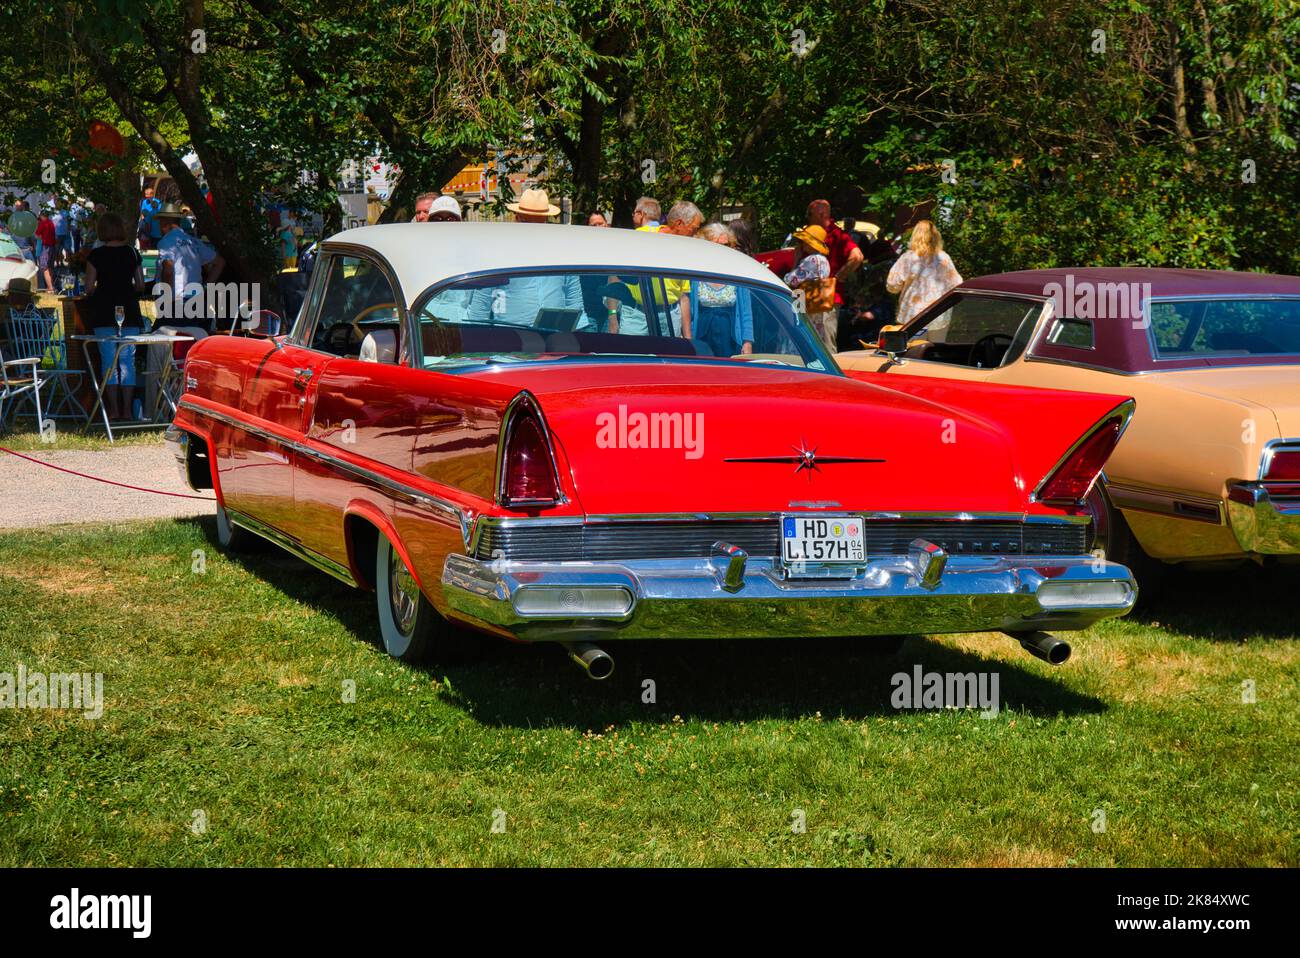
<point x="356" y="409"/>
<point x="278" y="392"/>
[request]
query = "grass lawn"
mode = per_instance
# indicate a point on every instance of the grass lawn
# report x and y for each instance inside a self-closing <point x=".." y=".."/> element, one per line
<point x="224" y="694"/>
<point x="69" y="436"/>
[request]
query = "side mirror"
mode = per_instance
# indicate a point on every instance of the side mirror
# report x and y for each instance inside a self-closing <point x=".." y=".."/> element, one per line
<point x="262" y="324"/>
<point x="893" y="343"/>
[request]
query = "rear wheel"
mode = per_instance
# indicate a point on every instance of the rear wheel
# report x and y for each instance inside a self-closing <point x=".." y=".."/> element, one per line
<point x="409" y="625"/>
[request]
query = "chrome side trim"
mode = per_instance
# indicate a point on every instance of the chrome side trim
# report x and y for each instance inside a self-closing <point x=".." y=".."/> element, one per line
<point x="245" y="521"/>
<point x="403" y="491"/>
<point x="1163" y="503"/>
<point x="1124" y="410"/>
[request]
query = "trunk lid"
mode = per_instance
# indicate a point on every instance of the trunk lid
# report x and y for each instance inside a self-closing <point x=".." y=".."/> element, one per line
<point x="686" y="437"/>
<point x="1275" y="388"/>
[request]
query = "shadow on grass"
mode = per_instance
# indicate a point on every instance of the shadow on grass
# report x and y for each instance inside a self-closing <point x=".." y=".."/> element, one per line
<point x="728" y="680"/>
<point x="1230" y="605"/>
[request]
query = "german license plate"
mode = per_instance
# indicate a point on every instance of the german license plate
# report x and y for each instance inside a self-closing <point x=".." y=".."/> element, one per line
<point x="819" y="540"/>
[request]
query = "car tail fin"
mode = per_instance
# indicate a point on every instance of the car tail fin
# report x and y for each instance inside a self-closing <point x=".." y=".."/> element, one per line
<point x="1071" y="479"/>
<point x="527" y="477"/>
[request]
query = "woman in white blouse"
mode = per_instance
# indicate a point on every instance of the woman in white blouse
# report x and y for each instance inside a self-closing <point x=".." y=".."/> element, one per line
<point x="922" y="274"/>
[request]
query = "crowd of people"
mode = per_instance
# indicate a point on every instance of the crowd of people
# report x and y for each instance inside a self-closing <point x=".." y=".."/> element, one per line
<point x="843" y="279"/>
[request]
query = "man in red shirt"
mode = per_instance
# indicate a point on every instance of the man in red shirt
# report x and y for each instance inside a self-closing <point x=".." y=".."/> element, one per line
<point x="844" y="254"/>
<point x="47" y="257"/>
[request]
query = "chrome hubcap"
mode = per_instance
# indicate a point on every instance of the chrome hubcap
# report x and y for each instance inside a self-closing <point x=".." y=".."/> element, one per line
<point x="403" y="593"/>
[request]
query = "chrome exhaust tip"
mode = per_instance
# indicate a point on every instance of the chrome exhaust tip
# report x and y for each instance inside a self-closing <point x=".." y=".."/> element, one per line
<point x="592" y="659"/>
<point x="1044" y="645"/>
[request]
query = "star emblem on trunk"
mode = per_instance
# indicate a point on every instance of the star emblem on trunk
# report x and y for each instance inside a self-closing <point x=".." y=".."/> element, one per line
<point x="805" y="459"/>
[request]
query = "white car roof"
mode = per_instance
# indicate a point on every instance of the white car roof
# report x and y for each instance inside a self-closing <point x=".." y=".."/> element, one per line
<point x="422" y="254"/>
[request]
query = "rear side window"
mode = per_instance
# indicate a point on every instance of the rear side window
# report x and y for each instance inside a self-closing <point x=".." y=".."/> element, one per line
<point x="530" y="316"/>
<point x="1225" y="327"/>
<point x="1071" y="332"/>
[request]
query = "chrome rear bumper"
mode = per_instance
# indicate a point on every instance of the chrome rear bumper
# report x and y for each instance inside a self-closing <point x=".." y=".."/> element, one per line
<point x="723" y="598"/>
<point x="1262" y="525"/>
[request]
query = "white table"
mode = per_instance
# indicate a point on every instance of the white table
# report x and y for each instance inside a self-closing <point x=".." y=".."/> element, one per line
<point x="121" y="342"/>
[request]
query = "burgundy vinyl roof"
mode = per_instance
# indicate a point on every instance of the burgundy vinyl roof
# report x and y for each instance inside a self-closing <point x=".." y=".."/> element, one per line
<point x="1164" y="282"/>
<point x="1121" y="342"/>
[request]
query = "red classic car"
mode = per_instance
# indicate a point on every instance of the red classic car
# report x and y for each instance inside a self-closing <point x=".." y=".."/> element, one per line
<point x="575" y="435"/>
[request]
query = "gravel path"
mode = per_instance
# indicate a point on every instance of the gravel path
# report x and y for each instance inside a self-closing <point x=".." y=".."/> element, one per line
<point x="32" y="495"/>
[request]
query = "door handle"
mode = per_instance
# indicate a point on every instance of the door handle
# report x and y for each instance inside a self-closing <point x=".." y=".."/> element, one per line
<point x="302" y="377"/>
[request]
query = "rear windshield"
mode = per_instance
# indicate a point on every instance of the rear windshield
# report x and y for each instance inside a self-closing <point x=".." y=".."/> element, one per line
<point x="519" y="317"/>
<point x="1225" y="327"/>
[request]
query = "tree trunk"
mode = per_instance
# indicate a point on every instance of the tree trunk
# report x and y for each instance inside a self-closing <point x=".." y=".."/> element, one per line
<point x="1208" y="90"/>
<point x="1178" y="80"/>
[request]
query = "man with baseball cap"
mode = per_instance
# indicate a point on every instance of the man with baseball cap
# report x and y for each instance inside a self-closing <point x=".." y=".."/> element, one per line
<point x="432" y="208"/>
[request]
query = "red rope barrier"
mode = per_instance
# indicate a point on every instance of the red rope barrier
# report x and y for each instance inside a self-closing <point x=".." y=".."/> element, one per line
<point x="73" y="472"/>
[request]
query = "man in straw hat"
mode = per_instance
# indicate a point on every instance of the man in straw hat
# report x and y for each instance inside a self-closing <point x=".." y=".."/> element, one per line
<point x="534" y="206"/>
<point x="531" y="300"/>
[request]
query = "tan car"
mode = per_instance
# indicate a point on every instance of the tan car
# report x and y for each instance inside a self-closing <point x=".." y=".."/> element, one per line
<point x="1209" y="469"/>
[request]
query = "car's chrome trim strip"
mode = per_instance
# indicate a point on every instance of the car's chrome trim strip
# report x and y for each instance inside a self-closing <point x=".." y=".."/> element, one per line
<point x="338" y="571"/>
<point x="409" y="493"/>
<point x="483" y="522"/>
<point x="1164" y="503"/>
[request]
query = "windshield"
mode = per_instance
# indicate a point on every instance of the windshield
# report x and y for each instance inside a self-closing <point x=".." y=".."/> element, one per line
<point x="1225" y="327"/>
<point x="519" y="317"/>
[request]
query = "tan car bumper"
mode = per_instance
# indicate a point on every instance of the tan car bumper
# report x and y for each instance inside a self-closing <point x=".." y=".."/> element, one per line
<point x="1264" y="523"/>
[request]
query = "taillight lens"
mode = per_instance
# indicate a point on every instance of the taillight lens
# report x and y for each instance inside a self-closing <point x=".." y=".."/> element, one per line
<point x="1069" y="483"/>
<point x="529" y="475"/>
<point x="1285" y="466"/>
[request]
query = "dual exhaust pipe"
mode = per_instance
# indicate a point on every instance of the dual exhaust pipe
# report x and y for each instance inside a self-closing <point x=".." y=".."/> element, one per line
<point x="592" y="659"/>
<point x="1043" y="645"/>
<point x="599" y="664"/>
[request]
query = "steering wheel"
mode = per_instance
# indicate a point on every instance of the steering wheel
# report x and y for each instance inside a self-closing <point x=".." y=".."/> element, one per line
<point x="983" y="348"/>
<point x="356" y="320"/>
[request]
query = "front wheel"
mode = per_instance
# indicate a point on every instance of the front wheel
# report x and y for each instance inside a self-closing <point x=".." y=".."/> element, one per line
<point x="410" y="627"/>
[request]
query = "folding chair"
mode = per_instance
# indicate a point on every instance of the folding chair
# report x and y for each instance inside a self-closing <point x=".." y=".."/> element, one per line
<point x="38" y="334"/>
<point x="15" y="383"/>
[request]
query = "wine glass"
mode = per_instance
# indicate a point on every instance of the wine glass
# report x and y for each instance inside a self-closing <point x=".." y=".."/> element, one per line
<point x="119" y="317"/>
